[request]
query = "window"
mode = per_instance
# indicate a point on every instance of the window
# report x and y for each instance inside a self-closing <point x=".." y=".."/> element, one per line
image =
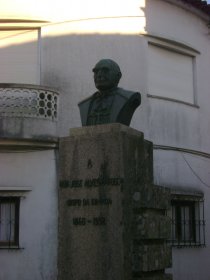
<point x="187" y="221"/>
<point x="171" y="73"/>
<point x="9" y="221"/>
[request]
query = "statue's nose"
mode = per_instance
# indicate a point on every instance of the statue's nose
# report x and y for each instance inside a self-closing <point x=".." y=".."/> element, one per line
<point x="100" y="72"/>
<point x="100" y="75"/>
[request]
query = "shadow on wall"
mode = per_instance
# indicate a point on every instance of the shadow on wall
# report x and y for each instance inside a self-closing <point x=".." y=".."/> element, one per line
<point x="65" y="63"/>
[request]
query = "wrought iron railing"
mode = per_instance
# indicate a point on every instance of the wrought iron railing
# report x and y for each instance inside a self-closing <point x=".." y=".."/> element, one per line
<point x="187" y="223"/>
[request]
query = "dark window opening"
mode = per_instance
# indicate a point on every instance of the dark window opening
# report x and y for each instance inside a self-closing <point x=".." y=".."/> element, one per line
<point x="187" y="222"/>
<point x="9" y="221"/>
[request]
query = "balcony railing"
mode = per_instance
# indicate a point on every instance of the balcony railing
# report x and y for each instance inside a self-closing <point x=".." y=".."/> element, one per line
<point x="28" y="101"/>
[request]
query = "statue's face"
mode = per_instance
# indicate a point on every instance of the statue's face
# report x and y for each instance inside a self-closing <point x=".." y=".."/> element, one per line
<point x="105" y="75"/>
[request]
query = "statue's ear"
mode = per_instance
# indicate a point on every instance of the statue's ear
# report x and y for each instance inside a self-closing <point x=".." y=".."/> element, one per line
<point x="119" y="74"/>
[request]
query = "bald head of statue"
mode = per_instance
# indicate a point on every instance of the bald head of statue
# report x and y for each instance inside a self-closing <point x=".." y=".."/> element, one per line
<point x="107" y="74"/>
<point x="110" y="104"/>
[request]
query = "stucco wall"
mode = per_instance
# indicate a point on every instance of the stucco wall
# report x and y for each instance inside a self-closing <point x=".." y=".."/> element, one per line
<point x="68" y="51"/>
<point x="36" y="172"/>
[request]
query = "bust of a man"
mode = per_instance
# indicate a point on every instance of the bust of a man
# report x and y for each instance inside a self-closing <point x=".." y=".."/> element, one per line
<point x="110" y="104"/>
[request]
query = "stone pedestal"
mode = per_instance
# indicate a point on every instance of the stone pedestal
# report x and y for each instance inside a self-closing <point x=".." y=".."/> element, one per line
<point x="112" y="222"/>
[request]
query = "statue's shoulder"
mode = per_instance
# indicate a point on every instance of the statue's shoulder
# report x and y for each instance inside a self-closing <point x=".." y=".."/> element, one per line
<point x="88" y="99"/>
<point x="128" y="94"/>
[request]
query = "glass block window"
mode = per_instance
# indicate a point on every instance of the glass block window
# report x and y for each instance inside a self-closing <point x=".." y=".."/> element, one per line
<point x="187" y="221"/>
<point x="9" y="221"/>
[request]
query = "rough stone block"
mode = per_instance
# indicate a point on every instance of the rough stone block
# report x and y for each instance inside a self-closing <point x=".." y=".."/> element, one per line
<point x="151" y="225"/>
<point x="151" y="257"/>
<point x="105" y="186"/>
<point x="148" y="164"/>
<point x="147" y="196"/>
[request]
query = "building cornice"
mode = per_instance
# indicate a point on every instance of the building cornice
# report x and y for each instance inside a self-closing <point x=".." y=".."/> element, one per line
<point x="182" y="150"/>
<point x="21" y="145"/>
<point x="198" y="7"/>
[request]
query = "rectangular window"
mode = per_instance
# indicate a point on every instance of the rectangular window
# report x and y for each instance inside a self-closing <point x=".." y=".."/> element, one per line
<point x="9" y="221"/>
<point x="187" y="222"/>
<point x="170" y="74"/>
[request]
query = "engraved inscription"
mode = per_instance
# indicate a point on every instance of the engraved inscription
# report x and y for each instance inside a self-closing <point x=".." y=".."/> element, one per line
<point x="89" y="183"/>
<point x="74" y="202"/>
<point x="82" y="221"/>
<point x="85" y="202"/>
<point x="89" y="164"/>
<point x="77" y="202"/>
<point x="103" y="201"/>
<point x="88" y="202"/>
<point x="79" y="221"/>
<point x="99" y="221"/>
<point x="71" y="184"/>
<point x="102" y="182"/>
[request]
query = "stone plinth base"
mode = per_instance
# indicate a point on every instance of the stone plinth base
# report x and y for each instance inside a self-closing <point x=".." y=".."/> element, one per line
<point x="112" y="222"/>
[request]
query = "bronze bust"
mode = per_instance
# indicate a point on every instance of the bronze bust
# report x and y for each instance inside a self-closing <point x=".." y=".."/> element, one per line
<point x="110" y="104"/>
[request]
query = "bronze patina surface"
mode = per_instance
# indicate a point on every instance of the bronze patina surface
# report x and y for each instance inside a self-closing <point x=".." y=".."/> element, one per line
<point x="110" y="104"/>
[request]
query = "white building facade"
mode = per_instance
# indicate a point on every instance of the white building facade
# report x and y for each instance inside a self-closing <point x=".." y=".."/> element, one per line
<point x="162" y="47"/>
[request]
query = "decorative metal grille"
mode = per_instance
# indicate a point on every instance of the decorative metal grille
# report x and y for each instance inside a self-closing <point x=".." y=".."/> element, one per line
<point x="28" y="102"/>
<point x="187" y="223"/>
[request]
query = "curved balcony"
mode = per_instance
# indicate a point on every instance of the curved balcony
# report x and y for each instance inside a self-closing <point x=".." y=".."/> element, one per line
<point x="28" y="112"/>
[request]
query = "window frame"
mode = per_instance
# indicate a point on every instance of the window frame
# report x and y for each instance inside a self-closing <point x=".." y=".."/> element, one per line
<point x="179" y="48"/>
<point x="187" y="221"/>
<point x="15" y="200"/>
